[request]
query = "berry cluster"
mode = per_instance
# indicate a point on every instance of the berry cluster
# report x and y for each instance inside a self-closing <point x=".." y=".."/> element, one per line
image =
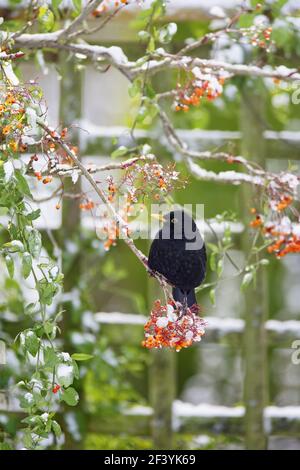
<point x="202" y="85"/>
<point x="260" y="37"/>
<point x="108" y="5"/>
<point x="171" y="326"/>
<point x="13" y="120"/>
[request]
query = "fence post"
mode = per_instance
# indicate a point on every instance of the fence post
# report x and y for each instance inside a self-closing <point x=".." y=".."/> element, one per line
<point x="70" y="112"/>
<point x="256" y="296"/>
<point x="162" y="385"/>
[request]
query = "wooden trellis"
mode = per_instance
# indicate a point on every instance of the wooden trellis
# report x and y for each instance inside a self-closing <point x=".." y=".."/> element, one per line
<point x="165" y="411"/>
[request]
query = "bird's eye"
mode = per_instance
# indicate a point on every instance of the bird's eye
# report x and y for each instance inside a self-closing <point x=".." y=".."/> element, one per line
<point x="173" y="220"/>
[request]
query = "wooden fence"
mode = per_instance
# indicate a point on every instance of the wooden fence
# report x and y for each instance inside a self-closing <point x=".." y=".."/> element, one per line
<point x="255" y="418"/>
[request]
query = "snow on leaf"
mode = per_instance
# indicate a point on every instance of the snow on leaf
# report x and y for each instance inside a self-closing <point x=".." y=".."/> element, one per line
<point x="65" y="374"/>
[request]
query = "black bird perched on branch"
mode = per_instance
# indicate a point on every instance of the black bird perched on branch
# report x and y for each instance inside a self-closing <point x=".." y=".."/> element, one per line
<point x="178" y="253"/>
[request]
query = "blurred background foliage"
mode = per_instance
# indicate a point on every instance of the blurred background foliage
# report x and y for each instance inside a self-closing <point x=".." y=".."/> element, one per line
<point x="115" y="281"/>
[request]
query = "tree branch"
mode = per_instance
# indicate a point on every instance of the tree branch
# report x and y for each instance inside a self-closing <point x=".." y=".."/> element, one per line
<point x="117" y="218"/>
<point x="85" y="12"/>
<point x="168" y="61"/>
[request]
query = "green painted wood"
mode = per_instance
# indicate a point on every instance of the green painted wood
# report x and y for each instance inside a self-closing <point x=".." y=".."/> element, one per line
<point x="162" y="384"/>
<point x="256" y="296"/>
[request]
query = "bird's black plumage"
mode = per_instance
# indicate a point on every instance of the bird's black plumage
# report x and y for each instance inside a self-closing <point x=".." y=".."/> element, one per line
<point x="178" y="253"/>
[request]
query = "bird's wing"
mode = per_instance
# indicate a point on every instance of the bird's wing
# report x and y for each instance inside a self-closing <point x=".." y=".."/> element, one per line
<point x="164" y="258"/>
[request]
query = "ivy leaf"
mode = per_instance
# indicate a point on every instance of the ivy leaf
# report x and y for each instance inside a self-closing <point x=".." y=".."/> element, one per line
<point x="10" y="265"/>
<point x="70" y="396"/>
<point x="81" y="357"/>
<point x="26" y="264"/>
<point x="34" y="241"/>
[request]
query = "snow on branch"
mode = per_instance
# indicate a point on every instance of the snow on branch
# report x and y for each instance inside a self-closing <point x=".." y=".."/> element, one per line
<point x="168" y="61"/>
<point x="232" y="177"/>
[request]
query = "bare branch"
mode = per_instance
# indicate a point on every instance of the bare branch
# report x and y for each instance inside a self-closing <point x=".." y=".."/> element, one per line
<point x="89" y="8"/>
<point x="255" y="175"/>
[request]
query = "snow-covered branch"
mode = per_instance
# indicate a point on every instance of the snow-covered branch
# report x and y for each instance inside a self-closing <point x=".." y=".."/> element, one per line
<point x="231" y="177"/>
<point x="117" y="58"/>
<point x="167" y="61"/>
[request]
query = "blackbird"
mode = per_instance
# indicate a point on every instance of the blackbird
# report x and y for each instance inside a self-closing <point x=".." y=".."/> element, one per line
<point x="178" y="253"/>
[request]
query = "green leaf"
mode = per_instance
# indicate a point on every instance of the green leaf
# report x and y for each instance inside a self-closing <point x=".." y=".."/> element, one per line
<point x="81" y="357"/>
<point x="220" y="266"/>
<point x="32" y="342"/>
<point x="34" y="241"/>
<point x="151" y="45"/>
<point x="212" y="262"/>
<point x="212" y="296"/>
<point x="27" y="439"/>
<point x="14" y="246"/>
<point x="65" y="374"/>
<point x="247" y="279"/>
<point x="47" y="291"/>
<point x="10" y="265"/>
<point x="55" y="5"/>
<point x="50" y="357"/>
<point x="22" y="183"/>
<point x="56" y="428"/>
<point x="166" y="33"/>
<point x="5" y="446"/>
<point x="213" y="247"/>
<point x="26" y="264"/>
<point x="135" y="88"/>
<point x="70" y="396"/>
<point x="27" y="400"/>
<point x="143" y="35"/>
<point x="122" y="150"/>
<point x="33" y="215"/>
<point x="30" y="308"/>
<point x="46" y="18"/>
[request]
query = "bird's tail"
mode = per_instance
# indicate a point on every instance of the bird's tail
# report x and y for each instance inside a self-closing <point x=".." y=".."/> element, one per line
<point x="184" y="297"/>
